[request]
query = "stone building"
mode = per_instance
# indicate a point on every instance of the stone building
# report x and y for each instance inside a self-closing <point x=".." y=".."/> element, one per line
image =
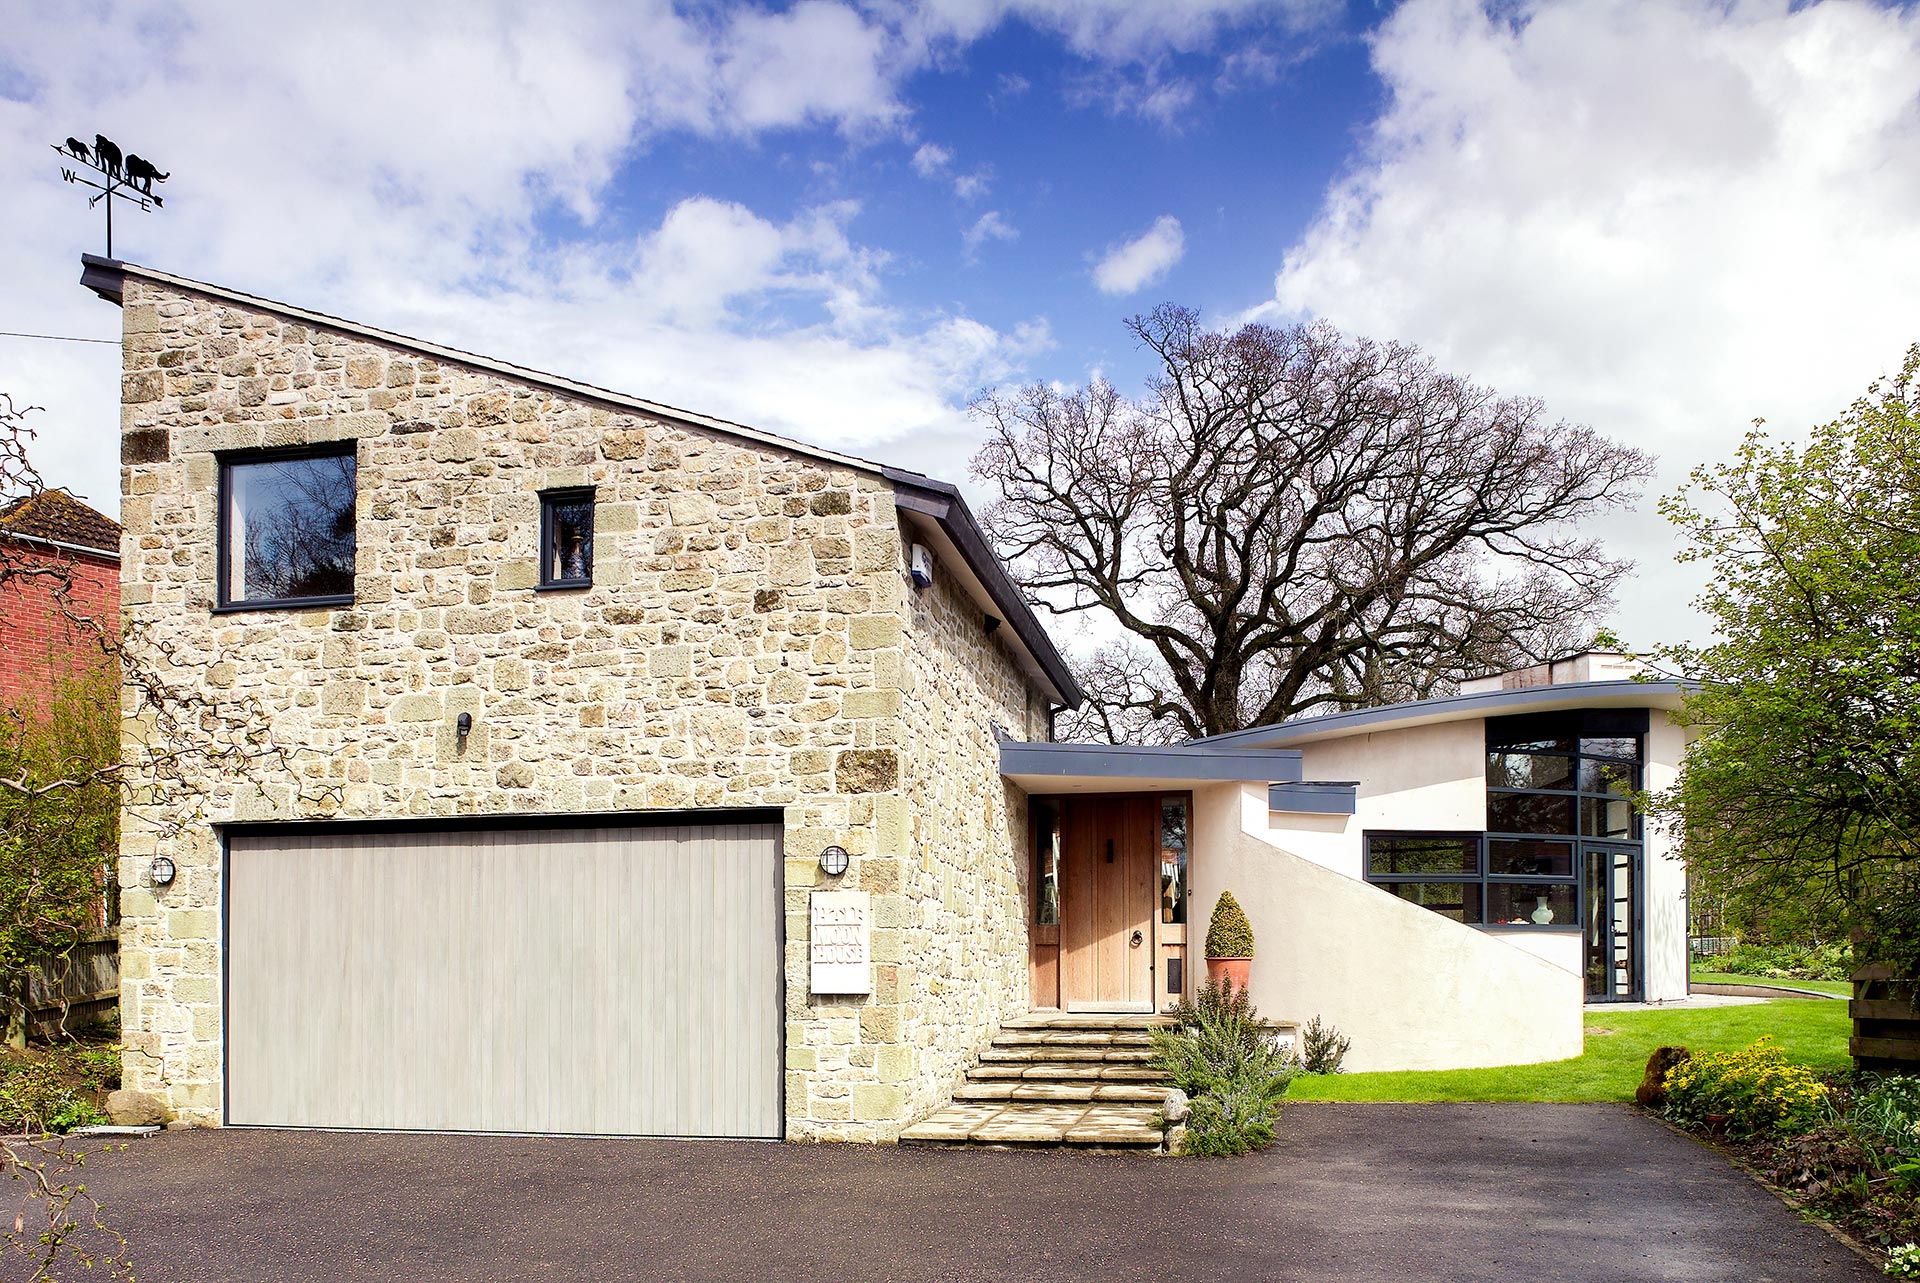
<point x="619" y="770"/>
<point x="361" y="535"/>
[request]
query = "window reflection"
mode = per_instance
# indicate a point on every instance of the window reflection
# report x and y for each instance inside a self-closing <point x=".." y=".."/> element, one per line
<point x="288" y="527"/>
<point x="1173" y="859"/>
<point x="1046" y="859"/>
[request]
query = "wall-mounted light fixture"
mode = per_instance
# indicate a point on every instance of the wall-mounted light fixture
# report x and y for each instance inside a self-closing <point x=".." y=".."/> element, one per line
<point x="463" y="725"/>
<point x="160" y="872"/>
<point x="833" y="861"/>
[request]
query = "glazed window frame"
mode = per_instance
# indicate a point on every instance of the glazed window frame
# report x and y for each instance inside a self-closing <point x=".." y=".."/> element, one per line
<point x="1478" y="883"/>
<point x="552" y="557"/>
<point x="229" y="494"/>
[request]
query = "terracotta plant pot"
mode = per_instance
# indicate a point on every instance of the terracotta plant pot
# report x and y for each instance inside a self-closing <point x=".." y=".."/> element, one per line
<point x="1237" y="971"/>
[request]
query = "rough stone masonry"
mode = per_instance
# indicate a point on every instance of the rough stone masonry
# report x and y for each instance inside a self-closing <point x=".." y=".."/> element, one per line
<point x="750" y="639"/>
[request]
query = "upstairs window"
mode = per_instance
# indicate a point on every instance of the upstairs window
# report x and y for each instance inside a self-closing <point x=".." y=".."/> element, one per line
<point x="286" y="532"/>
<point x="566" y="538"/>
<point x="1566" y="773"/>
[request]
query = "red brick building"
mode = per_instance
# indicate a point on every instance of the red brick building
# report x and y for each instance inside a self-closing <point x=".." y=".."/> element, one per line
<point x="53" y="531"/>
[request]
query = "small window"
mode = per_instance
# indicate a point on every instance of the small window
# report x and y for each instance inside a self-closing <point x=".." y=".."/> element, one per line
<point x="566" y="538"/>
<point x="1539" y="904"/>
<point x="1530" y="857"/>
<point x="1173" y="859"/>
<point x="286" y="529"/>
<point x="1046" y="863"/>
<point x="1436" y="854"/>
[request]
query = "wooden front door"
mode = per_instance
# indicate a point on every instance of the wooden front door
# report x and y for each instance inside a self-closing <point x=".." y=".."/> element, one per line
<point x="1107" y="897"/>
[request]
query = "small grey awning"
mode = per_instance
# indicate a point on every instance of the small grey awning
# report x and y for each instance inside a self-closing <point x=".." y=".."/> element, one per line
<point x="1121" y="768"/>
<point x="1314" y="797"/>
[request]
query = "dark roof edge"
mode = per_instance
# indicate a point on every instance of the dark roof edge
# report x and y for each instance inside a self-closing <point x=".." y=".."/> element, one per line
<point x="1150" y="761"/>
<point x="1479" y="704"/>
<point x="943" y="502"/>
<point x="106" y="277"/>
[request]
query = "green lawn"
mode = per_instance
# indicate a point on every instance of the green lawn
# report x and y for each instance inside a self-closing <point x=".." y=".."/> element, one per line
<point x="1842" y="987"/>
<point x="1618" y="1044"/>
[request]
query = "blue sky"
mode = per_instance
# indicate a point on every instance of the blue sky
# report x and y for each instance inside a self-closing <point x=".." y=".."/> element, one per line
<point x="838" y="219"/>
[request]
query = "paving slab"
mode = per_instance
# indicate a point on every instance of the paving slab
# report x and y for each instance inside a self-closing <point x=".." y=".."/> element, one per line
<point x="1369" y="1193"/>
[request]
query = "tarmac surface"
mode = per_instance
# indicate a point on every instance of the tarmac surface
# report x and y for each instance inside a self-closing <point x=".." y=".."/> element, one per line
<point x="1348" y="1192"/>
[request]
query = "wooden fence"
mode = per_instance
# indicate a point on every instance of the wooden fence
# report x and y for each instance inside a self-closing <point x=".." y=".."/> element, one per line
<point x="75" y="989"/>
<point x="1886" y="1028"/>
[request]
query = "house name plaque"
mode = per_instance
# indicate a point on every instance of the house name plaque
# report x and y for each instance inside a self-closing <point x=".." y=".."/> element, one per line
<point x="840" y="942"/>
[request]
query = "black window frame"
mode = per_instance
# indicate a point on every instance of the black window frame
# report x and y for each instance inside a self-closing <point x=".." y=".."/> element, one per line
<point x="1513" y="736"/>
<point x="1479" y="878"/>
<point x="549" y="500"/>
<point x="225" y="602"/>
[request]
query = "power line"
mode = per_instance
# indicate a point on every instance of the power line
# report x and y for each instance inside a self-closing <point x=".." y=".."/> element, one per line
<point x="57" y="338"/>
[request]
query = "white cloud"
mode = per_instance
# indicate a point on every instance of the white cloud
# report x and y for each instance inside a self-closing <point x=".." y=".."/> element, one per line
<point x="406" y="165"/>
<point x="1665" y="219"/>
<point x="1143" y="261"/>
<point x="931" y="160"/>
<point x="971" y="187"/>
<point x="1121" y="31"/>
<point x="990" y="226"/>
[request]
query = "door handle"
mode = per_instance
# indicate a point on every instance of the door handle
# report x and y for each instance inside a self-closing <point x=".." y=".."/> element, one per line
<point x="1137" y="938"/>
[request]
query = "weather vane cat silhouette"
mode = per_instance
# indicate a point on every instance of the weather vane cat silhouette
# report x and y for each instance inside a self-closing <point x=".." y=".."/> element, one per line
<point x="129" y="177"/>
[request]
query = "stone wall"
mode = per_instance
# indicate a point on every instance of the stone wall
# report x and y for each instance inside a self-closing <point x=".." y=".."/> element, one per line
<point x="966" y="885"/>
<point x="749" y="640"/>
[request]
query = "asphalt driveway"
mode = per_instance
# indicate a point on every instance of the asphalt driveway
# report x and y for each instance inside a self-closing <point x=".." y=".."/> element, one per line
<point x="1363" y="1192"/>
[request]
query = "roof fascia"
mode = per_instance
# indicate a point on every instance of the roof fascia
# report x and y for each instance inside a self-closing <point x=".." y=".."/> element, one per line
<point x="1150" y="761"/>
<point x="1662" y="693"/>
<point x="942" y="503"/>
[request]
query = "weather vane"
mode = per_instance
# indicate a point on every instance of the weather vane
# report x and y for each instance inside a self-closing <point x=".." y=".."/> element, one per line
<point x="129" y="179"/>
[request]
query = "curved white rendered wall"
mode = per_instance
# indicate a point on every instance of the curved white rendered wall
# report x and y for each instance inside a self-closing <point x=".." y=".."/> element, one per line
<point x="1412" y="989"/>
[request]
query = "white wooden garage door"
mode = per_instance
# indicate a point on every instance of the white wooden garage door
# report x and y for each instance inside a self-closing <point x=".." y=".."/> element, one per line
<point x="606" y="981"/>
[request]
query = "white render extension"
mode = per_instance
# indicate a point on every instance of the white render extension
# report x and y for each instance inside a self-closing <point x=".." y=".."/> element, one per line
<point x="1448" y="881"/>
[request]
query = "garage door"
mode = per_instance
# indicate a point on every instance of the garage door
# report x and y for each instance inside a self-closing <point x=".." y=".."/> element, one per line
<point x="607" y="981"/>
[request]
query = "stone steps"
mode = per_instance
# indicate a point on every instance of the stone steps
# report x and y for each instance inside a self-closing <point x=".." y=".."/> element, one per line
<point x="1066" y="1055"/>
<point x="1053" y="1080"/>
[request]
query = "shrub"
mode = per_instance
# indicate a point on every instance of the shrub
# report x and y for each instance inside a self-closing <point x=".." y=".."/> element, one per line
<point x="1884" y="1115"/>
<point x="1322" y="1048"/>
<point x="1220" y="1055"/>
<point x="1756" y="1090"/>
<point x="1788" y="961"/>
<point x="1229" y="934"/>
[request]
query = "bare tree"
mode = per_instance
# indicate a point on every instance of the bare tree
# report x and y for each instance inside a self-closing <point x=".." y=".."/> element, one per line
<point x="1292" y="520"/>
<point x="177" y="735"/>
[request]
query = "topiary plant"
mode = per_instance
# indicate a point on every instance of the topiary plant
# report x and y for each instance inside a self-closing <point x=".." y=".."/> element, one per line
<point x="1229" y="934"/>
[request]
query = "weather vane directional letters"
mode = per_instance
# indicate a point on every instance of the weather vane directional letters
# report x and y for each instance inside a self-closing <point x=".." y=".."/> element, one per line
<point x="129" y="178"/>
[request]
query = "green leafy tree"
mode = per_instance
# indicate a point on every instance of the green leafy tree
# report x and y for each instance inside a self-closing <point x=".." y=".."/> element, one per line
<point x="59" y="825"/>
<point x="1802" y="792"/>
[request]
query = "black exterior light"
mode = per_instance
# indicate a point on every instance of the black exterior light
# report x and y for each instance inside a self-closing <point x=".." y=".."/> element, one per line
<point x="160" y="872"/>
<point x="463" y="725"/>
<point x="833" y="861"/>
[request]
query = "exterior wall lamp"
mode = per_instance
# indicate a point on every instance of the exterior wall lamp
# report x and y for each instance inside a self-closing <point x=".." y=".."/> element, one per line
<point x="833" y="861"/>
<point x="160" y="872"/>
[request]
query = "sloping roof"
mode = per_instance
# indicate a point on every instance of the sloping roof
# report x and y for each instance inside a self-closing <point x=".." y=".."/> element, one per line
<point x="936" y="501"/>
<point x="57" y="517"/>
